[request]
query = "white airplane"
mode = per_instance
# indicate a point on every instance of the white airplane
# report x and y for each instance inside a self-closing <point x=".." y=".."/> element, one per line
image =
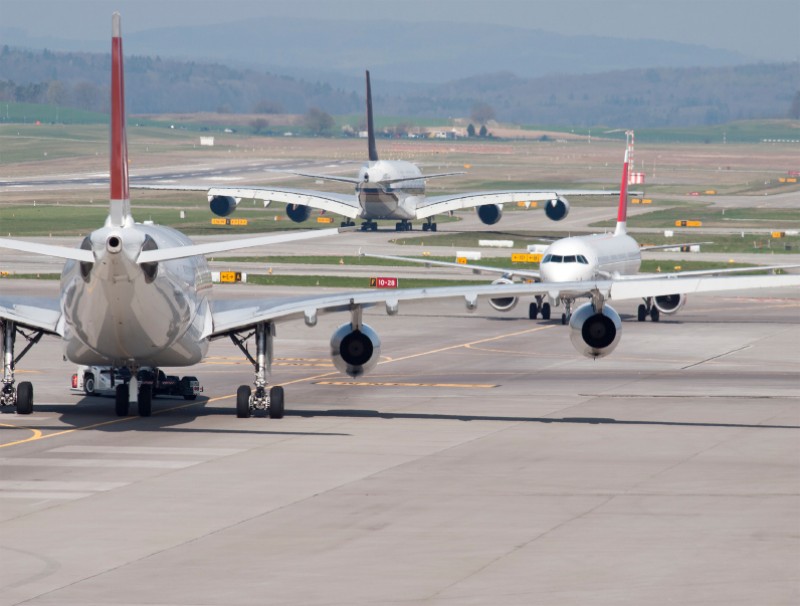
<point x="135" y="295"/>
<point x="384" y="189"/>
<point x="615" y="256"/>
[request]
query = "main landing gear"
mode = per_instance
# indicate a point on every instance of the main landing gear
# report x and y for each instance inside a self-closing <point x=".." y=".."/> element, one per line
<point x="127" y="393"/>
<point x="348" y="223"/>
<point x="429" y="225"/>
<point x="263" y="398"/>
<point x="404" y="225"/>
<point x="567" y="312"/>
<point x="647" y="309"/>
<point x="369" y="226"/>
<point x="20" y="397"/>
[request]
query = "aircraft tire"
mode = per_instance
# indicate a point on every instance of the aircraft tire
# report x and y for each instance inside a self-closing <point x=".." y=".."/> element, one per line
<point x="121" y="400"/>
<point x="655" y="315"/>
<point x="145" y="401"/>
<point x="564" y="319"/>
<point x="25" y="398"/>
<point x="276" y="402"/>
<point x="533" y="311"/>
<point x="641" y="313"/>
<point x="243" y="401"/>
<point x="88" y="384"/>
<point x="545" y="311"/>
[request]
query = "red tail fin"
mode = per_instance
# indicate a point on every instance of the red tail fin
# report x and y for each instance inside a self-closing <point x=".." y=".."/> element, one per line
<point x="622" y="211"/>
<point x="120" y="196"/>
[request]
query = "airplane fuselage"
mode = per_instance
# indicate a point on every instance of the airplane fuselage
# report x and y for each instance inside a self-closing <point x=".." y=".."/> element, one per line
<point x="118" y="312"/>
<point x="590" y="257"/>
<point x="390" y="189"/>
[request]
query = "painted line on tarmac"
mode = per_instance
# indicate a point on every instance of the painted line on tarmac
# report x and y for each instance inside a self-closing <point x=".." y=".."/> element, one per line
<point x="379" y="384"/>
<point x="39" y="435"/>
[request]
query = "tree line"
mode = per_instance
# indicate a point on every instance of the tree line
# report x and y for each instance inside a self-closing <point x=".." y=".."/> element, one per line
<point x="632" y="98"/>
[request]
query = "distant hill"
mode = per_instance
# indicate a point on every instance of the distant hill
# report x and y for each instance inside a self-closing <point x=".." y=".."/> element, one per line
<point x="632" y="98"/>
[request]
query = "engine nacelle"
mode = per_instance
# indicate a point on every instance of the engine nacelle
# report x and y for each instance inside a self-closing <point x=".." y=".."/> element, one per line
<point x="595" y="334"/>
<point x="222" y="206"/>
<point x="669" y="304"/>
<point x="556" y="209"/>
<point x="355" y="352"/>
<point x="490" y="213"/>
<point x="298" y="212"/>
<point x="503" y="303"/>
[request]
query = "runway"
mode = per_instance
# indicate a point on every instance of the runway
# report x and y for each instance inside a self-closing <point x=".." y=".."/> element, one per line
<point x="482" y="462"/>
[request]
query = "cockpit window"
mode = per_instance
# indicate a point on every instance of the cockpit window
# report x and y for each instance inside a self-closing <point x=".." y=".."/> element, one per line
<point x="557" y="259"/>
<point x="547" y="258"/>
<point x="582" y="259"/>
<point x="570" y="259"/>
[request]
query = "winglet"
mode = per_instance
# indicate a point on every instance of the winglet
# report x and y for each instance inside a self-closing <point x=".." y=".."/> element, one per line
<point x="622" y="211"/>
<point x="120" y="211"/>
<point x="373" y="150"/>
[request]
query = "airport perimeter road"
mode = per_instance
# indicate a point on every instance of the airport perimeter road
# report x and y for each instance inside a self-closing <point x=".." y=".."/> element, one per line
<point x="482" y="462"/>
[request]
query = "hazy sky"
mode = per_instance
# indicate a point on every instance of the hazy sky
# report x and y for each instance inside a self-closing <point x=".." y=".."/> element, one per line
<point x="763" y="29"/>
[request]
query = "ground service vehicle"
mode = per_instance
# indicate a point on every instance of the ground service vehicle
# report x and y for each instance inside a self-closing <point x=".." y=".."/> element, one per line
<point x="102" y="380"/>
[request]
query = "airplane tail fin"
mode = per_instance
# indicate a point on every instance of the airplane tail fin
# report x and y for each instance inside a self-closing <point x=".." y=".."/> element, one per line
<point x="120" y="207"/>
<point x="373" y="150"/>
<point x="622" y="211"/>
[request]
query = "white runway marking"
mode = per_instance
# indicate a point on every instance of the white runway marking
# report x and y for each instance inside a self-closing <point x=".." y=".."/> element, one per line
<point x="111" y="463"/>
<point x="147" y="450"/>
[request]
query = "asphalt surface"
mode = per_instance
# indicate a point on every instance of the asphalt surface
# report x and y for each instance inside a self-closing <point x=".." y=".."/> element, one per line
<point x="482" y="462"/>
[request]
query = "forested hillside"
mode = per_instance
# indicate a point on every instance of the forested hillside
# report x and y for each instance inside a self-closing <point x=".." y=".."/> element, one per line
<point x="632" y="98"/>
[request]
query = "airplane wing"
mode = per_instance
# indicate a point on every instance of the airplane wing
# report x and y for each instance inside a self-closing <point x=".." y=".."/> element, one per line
<point x="435" y="205"/>
<point x="703" y="272"/>
<point x="230" y="316"/>
<point x="524" y="273"/>
<point x="40" y="313"/>
<point x="340" y="204"/>
<point x="669" y="246"/>
<point x="352" y="180"/>
<point x="476" y="269"/>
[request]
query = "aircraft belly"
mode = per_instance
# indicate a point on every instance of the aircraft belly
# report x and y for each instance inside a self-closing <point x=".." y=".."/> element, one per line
<point x="124" y="320"/>
<point x="383" y="205"/>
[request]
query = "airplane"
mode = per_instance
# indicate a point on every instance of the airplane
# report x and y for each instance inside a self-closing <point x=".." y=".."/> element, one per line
<point x="384" y="189"/>
<point x="615" y="256"/>
<point x="134" y="295"/>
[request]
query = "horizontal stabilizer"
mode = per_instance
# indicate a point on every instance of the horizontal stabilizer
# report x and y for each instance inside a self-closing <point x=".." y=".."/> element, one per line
<point x="194" y="250"/>
<point x="48" y="250"/>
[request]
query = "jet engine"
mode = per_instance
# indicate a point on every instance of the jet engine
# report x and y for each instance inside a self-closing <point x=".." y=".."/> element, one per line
<point x="669" y="304"/>
<point x="490" y="213"/>
<point x="556" y="209"/>
<point x="503" y="303"/>
<point x="355" y="352"/>
<point x="298" y="212"/>
<point x="222" y="206"/>
<point x="595" y="334"/>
